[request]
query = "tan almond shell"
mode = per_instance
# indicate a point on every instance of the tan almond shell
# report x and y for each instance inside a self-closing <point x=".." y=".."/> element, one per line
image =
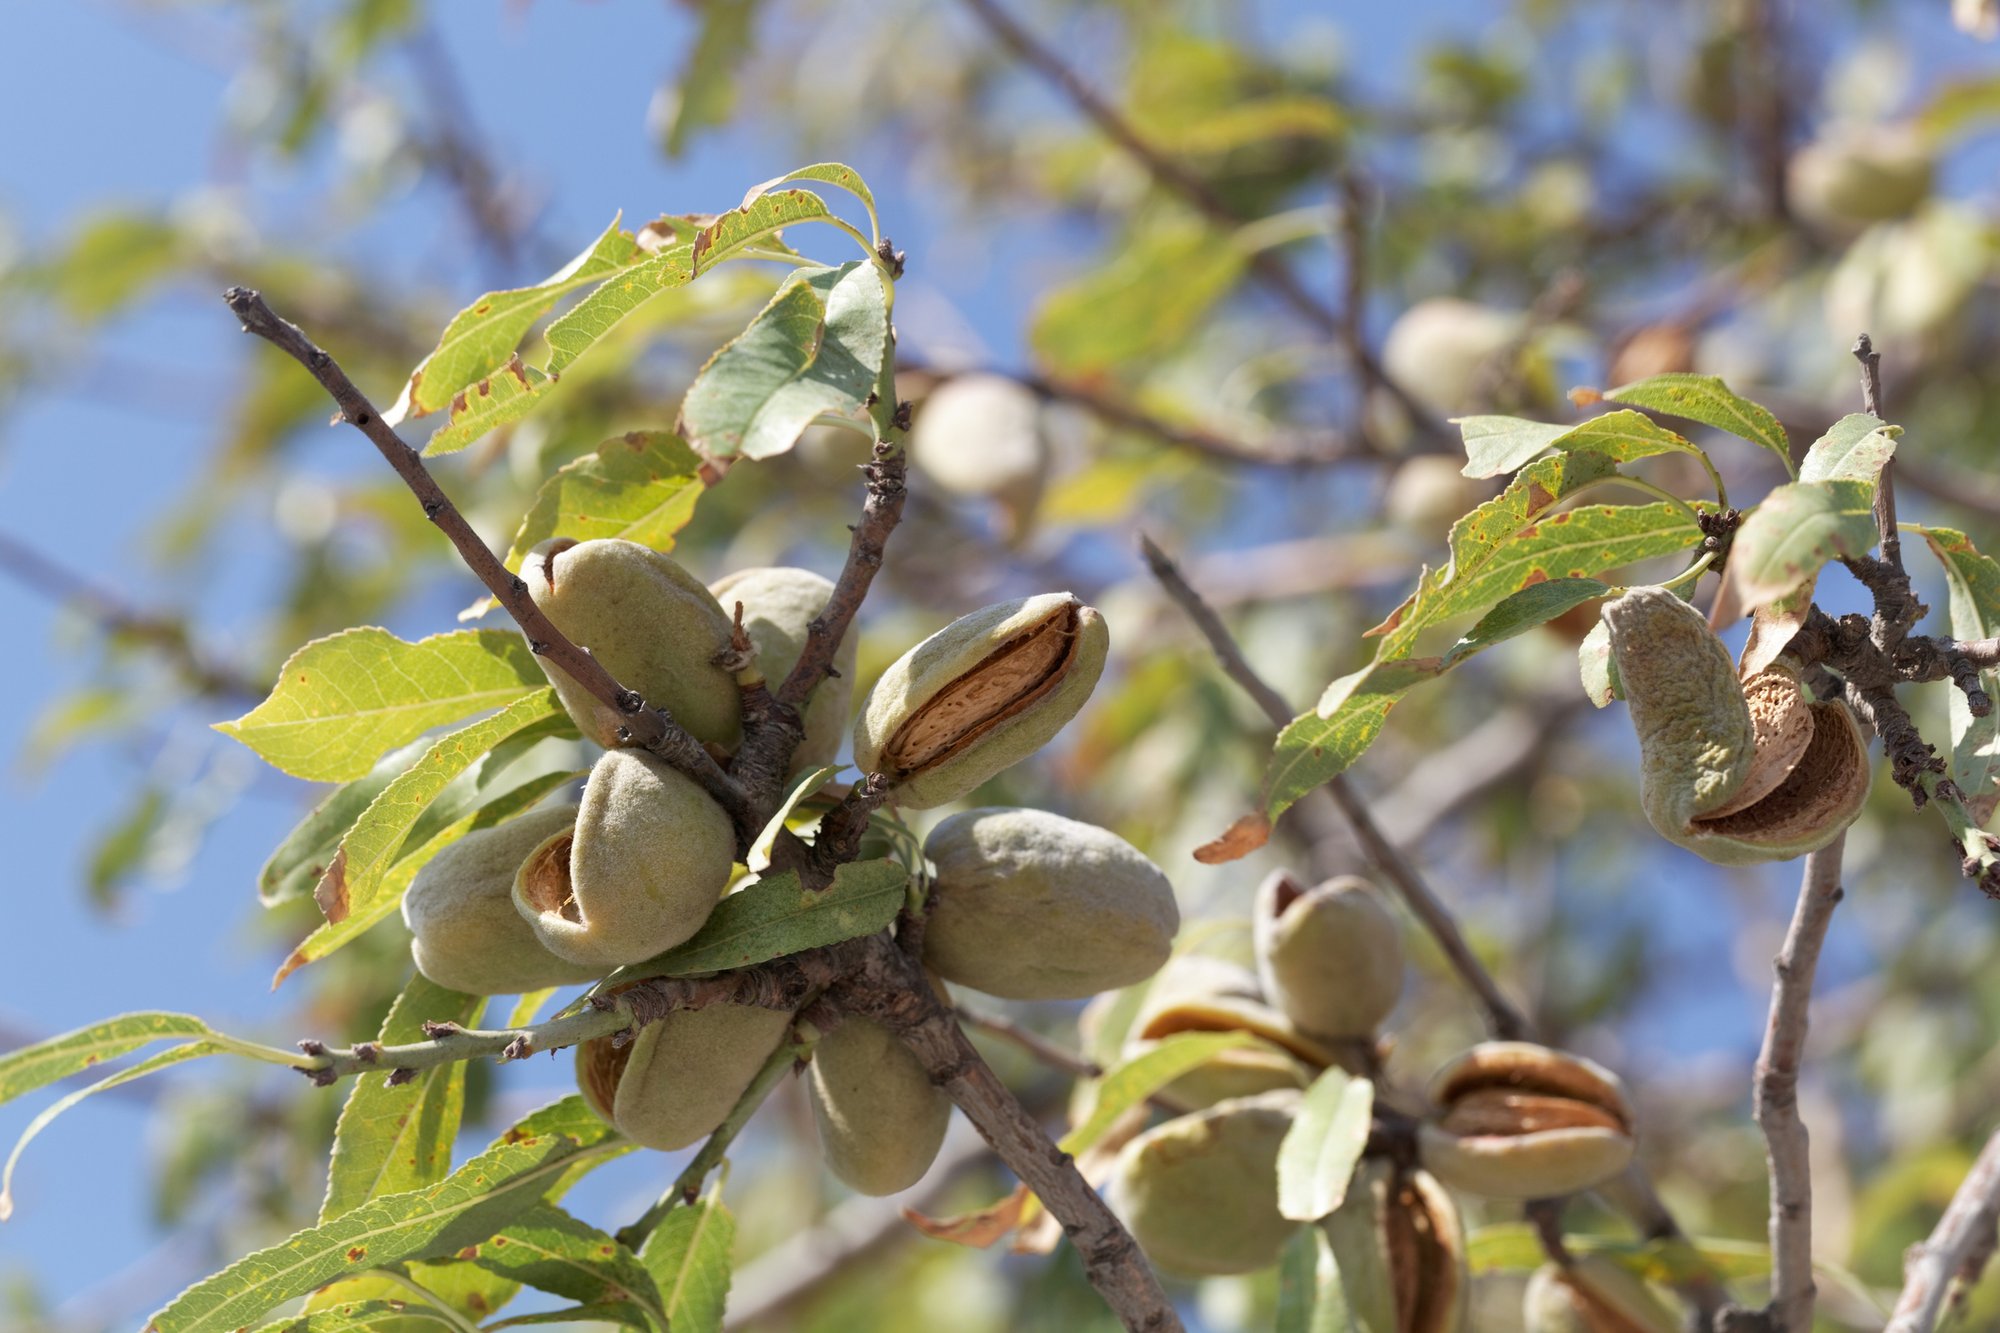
<point x="652" y="624"/>
<point x="465" y="934"/>
<point x="1032" y="906"/>
<point x="779" y="604"/>
<point x="1822" y="795"/>
<point x="1781" y="722"/>
<point x="1200" y="1192"/>
<point x="1520" y="1121"/>
<point x="1331" y="958"/>
<point x="646" y="865"/>
<point x="1400" y="1249"/>
<point x="881" y="1120"/>
<point x="979" y="696"/>
<point x="1595" y="1295"/>
<point x="1529" y="1067"/>
<point x="674" y="1083"/>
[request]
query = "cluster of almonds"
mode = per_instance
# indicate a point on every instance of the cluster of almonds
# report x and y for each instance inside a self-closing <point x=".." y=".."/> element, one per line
<point x="1506" y="1120"/>
<point x="1024" y="905"/>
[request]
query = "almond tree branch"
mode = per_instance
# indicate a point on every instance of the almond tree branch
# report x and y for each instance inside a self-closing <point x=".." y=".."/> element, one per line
<point x="1268" y="268"/>
<point x="1777" y="1104"/>
<point x="1632" y="1193"/>
<point x="1958" y="1248"/>
<point x="649" y="727"/>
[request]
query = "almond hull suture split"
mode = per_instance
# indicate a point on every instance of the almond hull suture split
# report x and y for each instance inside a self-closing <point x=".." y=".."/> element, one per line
<point x="979" y="696"/>
<point x="1736" y="772"/>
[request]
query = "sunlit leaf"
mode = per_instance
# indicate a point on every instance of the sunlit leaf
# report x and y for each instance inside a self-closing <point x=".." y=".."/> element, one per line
<point x="640" y="487"/>
<point x="302" y="857"/>
<point x="1795" y="531"/>
<point x="466" y="1207"/>
<point x="1323" y="1145"/>
<point x="762" y="216"/>
<point x="481" y="337"/>
<point x="816" y="350"/>
<point x="342" y="701"/>
<point x="1973" y="581"/>
<point x="705" y="93"/>
<point x="508" y="394"/>
<point x="688" y="1256"/>
<point x="1705" y="398"/>
<point x="580" y="327"/>
<point x="549" y="1250"/>
<point x="31" y="1067"/>
<point x="1854" y="448"/>
<point x="1126" y="1085"/>
<point x="1534" y="605"/>
<point x="828" y="173"/>
<point x="1152" y="293"/>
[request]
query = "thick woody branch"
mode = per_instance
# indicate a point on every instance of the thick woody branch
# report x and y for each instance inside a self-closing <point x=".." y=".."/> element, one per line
<point x="1777" y="1101"/>
<point x="891" y="990"/>
<point x="1958" y="1248"/>
<point x="649" y="727"/>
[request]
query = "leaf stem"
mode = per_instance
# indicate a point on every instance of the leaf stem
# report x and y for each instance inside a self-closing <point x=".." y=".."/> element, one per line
<point x="435" y="1306"/>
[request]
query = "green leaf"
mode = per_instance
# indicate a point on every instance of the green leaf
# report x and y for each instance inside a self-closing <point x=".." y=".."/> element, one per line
<point x="362" y="1316"/>
<point x="466" y="1207"/>
<point x="481" y="337"/>
<point x="641" y="487"/>
<point x="1514" y="1247"/>
<point x="1623" y="436"/>
<point x="815" y="351"/>
<point x="763" y="214"/>
<point x="302" y="857"/>
<point x="173" y="1055"/>
<point x="580" y="327"/>
<point x="1973" y="582"/>
<point x="1319" y="746"/>
<point x="705" y="93"/>
<point x="1320" y="1150"/>
<point x="1705" y="398"/>
<point x="392" y="1139"/>
<point x="552" y="1251"/>
<point x="1594" y="665"/>
<point x="1534" y="605"/>
<point x="1795" y="531"/>
<point x="1126" y="1085"/>
<point x="1158" y="287"/>
<point x="344" y="700"/>
<point x="1495" y="446"/>
<point x="837" y="174"/>
<point x="23" y="1071"/>
<point x="1310" y="1298"/>
<point x="357" y="889"/>
<point x="775" y="916"/>
<point x="1255" y="121"/>
<point x="1854" y="448"/>
<point x="689" y="1257"/>
<point x="511" y="392"/>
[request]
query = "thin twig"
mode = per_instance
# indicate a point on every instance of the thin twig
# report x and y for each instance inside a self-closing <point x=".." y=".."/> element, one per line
<point x="1958" y="1247"/>
<point x="1034" y="1043"/>
<point x="1885" y="483"/>
<point x="649" y="727"/>
<point x="1777" y="1093"/>
<point x="1268" y="268"/>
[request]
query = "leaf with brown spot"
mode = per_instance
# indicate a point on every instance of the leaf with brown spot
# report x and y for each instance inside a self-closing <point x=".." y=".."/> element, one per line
<point x="331" y="891"/>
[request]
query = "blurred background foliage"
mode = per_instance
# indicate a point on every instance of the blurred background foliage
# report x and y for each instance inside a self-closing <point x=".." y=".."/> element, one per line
<point x="1242" y="338"/>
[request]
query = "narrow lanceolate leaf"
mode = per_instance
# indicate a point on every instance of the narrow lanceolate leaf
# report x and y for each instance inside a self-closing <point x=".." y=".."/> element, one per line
<point x="689" y="1258"/>
<point x="815" y="351"/>
<point x="1625" y="435"/>
<point x="1705" y="398"/>
<point x="829" y="173"/>
<point x="775" y="916"/>
<point x="1495" y="446"/>
<point x="484" y="334"/>
<point x="1319" y="746"/>
<point x="641" y="487"/>
<point x="1568" y="546"/>
<point x="466" y="1207"/>
<point x="762" y="215"/>
<point x="344" y="700"/>
<point x="1795" y="531"/>
<point x="581" y="326"/>
<point x="508" y="394"/>
<point x="1318" y="1155"/>
<point x="392" y="1139"/>
<point x="1854" y="448"/>
<point x="1310" y="1296"/>
<point x="358" y="889"/>
<point x="364" y="1316"/>
<point x="1536" y="604"/>
<point x="303" y="856"/>
<point x="1594" y="666"/>
<point x="23" y="1071"/>
<point x="1974" y="583"/>
<point x="705" y="92"/>
<point x="1126" y="1085"/>
<point x="173" y="1055"/>
<point x="549" y="1250"/>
